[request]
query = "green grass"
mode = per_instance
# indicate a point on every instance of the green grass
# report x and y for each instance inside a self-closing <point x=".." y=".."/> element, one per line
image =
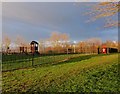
<point x="25" y="61"/>
<point x="93" y="74"/>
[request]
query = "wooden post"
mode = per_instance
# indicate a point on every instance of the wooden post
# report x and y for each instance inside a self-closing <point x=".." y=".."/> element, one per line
<point x="67" y="50"/>
<point x="32" y="59"/>
<point x="107" y="50"/>
<point x="98" y="50"/>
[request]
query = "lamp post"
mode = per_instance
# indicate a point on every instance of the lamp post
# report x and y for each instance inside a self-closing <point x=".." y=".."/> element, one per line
<point x="74" y="46"/>
<point x="32" y="50"/>
<point x="67" y="47"/>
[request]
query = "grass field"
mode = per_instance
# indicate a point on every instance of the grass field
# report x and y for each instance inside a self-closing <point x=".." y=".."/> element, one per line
<point x="82" y="74"/>
<point x="11" y="62"/>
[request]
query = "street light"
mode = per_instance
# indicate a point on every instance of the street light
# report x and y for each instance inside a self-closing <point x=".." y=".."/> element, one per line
<point x="74" y="46"/>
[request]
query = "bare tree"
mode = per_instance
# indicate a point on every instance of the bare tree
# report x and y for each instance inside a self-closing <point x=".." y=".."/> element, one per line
<point x="95" y="41"/>
<point x="111" y="44"/>
<point x="42" y="46"/>
<point x="59" y="40"/>
<point x="64" y="37"/>
<point x="106" y="10"/>
<point x="89" y="46"/>
<point x="21" y="42"/>
<point x="93" y="44"/>
<point x="6" y="41"/>
<point x="82" y="46"/>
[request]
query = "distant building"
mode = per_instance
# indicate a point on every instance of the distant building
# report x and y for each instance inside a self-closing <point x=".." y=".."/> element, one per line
<point x="34" y="47"/>
<point x="105" y="50"/>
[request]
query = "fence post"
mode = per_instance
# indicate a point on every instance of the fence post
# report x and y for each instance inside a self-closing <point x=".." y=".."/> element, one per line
<point x="32" y="59"/>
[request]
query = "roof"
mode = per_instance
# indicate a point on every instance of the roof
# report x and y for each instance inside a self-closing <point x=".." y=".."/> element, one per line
<point x="34" y="42"/>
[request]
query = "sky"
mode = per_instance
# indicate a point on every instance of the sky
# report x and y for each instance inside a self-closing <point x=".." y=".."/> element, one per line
<point x="37" y="20"/>
<point x="59" y="0"/>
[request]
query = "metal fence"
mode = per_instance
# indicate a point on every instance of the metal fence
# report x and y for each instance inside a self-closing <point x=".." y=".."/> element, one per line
<point x="20" y="61"/>
<point x="16" y="61"/>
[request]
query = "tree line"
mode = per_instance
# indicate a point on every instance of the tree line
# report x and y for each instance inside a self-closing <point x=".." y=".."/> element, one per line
<point x="58" y="43"/>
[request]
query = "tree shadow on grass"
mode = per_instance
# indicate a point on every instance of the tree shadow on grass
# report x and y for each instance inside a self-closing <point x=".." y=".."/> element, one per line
<point x="78" y="59"/>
